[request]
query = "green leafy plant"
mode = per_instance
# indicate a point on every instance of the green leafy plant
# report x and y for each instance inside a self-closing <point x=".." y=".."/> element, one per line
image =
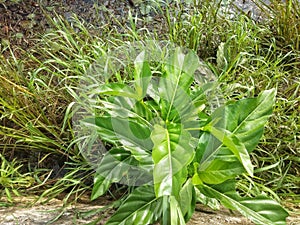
<point x="171" y="147"/>
<point x="11" y="179"/>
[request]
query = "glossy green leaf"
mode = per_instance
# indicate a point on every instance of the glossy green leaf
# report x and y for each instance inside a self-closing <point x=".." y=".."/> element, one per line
<point x="132" y="135"/>
<point x="146" y="111"/>
<point x="101" y="185"/>
<point x="180" y="68"/>
<point x="176" y="216"/>
<point x="142" y="75"/>
<point x="176" y="105"/>
<point x="187" y="199"/>
<point x="245" y="119"/>
<point x="171" y="154"/>
<point x="128" y="109"/>
<point x="141" y="207"/>
<point x="119" y="165"/>
<point x="115" y="89"/>
<point x="234" y="145"/>
<point x="219" y="171"/>
<point x="260" y="209"/>
<point x="173" y="89"/>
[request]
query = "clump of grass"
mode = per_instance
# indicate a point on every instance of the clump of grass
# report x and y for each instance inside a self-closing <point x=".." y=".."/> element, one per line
<point x="282" y="140"/>
<point x="29" y="131"/>
<point x="284" y="20"/>
<point x="36" y="106"/>
<point x="34" y="123"/>
<point x="197" y="26"/>
<point x="12" y="179"/>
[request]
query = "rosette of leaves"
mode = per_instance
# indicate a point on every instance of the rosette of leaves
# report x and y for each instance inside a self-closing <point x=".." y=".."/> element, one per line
<point x="172" y="151"/>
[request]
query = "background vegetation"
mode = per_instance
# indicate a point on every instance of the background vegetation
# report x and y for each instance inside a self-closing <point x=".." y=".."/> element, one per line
<point x="38" y="152"/>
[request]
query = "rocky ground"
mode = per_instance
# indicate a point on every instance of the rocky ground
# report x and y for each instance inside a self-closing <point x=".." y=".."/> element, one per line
<point x="22" y="21"/>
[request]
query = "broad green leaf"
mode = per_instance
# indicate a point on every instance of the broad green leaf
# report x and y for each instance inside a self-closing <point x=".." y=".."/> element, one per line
<point x="234" y="145"/>
<point x="101" y="185"/>
<point x="245" y="120"/>
<point x="144" y="110"/>
<point x="208" y="148"/>
<point x="180" y="68"/>
<point x="129" y="109"/>
<point x="176" y="216"/>
<point x="174" y="88"/>
<point x="153" y="90"/>
<point x="115" y="89"/>
<point x="141" y="207"/>
<point x="176" y="105"/>
<point x="187" y="200"/>
<point x="219" y="171"/>
<point x="260" y="209"/>
<point x="118" y="165"/>
<point x="132" y="135"/>
<point x="142" y="75"/>
<point x="171" y="154"/>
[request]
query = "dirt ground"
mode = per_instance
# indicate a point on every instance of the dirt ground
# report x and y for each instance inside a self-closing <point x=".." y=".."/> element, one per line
<point x="81" y="213"/>
<point x="44" y="214"/>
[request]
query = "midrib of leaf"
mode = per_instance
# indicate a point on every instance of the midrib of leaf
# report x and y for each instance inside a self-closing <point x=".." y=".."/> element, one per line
<point x="173" y="97"/>
<point x="235" y="130"/>
<point x="167" y="162"/>
<point x="120" y="136"/>
<point x="169" y="152"/>
<point x="126" y="110"/>
<point x="252" y="212"/>
<point x="209" y="157"/>
<point x="139" y="209"/>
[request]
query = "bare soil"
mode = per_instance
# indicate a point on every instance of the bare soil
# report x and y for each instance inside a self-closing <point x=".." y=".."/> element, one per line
<point x="79" y="213"/>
